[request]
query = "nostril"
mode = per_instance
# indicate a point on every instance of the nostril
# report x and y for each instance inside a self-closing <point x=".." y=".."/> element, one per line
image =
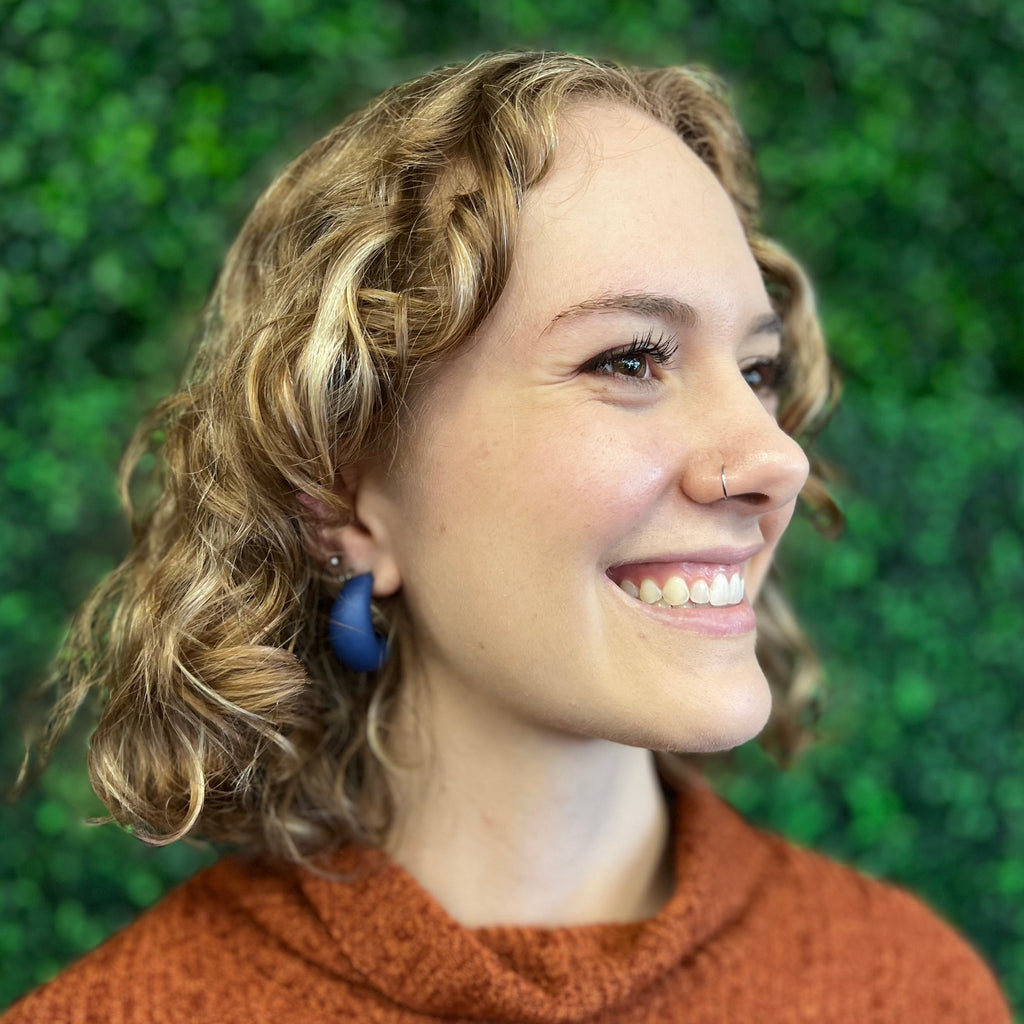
<point x="754" y="498"/>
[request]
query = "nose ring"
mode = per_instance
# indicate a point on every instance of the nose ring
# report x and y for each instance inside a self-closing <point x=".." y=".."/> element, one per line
<point x="725" y="492"/>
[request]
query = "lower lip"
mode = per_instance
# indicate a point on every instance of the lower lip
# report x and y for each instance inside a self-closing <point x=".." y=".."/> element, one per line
<point x="709" y="619"/>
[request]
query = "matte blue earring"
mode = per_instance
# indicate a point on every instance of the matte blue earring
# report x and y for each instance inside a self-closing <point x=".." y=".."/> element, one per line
<point x="350" y="628"/>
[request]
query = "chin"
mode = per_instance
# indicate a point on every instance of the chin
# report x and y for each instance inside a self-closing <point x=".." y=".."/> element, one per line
<point x="736" y="718"/>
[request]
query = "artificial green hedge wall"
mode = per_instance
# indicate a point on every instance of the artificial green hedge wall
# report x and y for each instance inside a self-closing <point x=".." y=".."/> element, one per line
<point x="892" y="150"/>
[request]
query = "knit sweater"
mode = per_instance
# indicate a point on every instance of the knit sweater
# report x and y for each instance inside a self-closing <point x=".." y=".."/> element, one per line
<point x="758" y="930"/>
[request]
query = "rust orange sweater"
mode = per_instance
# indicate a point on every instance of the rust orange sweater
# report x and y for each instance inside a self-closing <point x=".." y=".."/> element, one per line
<point x="758" y="930"/>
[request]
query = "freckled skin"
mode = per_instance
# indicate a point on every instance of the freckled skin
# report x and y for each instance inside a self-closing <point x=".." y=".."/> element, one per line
<point x="501" y="545"/>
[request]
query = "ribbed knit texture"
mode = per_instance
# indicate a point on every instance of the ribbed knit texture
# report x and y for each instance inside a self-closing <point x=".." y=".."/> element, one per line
<point x="758" y="930"/>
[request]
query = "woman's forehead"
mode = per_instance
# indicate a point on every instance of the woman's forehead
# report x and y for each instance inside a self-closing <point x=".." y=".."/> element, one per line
<point x="627" y="206"/>
<point x="611" y="158"/>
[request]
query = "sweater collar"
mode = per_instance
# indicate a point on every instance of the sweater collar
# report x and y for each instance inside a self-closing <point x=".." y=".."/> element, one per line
<point x="387" y="933"/>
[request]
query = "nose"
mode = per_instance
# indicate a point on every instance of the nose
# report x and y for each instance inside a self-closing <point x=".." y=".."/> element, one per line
<point x="747" y="459"/>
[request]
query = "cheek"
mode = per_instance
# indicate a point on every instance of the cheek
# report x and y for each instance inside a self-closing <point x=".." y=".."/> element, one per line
<point x="598" y="480"/>
<point x="505" y="489"/>
<point x="545" y="457"/>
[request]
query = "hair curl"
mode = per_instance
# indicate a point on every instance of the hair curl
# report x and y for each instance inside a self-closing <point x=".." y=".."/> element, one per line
<point x="371" y="259"/>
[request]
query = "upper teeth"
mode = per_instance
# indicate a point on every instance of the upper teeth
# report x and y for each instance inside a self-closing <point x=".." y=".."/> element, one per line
<point x="723" y="590"/>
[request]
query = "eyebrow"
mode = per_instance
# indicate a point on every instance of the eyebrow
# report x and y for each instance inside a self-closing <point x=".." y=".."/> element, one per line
<point x="663" y="307"/>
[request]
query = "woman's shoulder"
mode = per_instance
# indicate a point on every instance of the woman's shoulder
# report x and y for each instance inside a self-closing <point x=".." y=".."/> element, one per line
<point x="823" y="930"/>
<point x="834" y="913"/>
<point x="188" y="958"/>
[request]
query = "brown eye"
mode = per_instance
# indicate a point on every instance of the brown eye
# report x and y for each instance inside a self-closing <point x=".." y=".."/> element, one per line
<point x="766" y="375"/>
<point x="636" y="361"/>
<point x="630" y="366"/>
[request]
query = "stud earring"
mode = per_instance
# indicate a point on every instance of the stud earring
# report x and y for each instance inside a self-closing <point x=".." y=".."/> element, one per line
<point x="350" y="626"/>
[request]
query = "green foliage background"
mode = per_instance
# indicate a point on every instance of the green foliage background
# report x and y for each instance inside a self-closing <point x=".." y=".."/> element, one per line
<point x="892" y="152"/>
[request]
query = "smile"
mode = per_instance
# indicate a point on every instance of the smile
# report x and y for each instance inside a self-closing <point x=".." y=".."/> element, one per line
<point x="720" y="591"/>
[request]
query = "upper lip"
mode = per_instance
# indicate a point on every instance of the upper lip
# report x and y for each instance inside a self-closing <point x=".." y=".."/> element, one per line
<point x="709" y="556"/>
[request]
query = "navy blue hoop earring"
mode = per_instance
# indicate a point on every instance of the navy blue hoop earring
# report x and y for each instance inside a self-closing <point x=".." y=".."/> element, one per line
<point x="350" y="627"/>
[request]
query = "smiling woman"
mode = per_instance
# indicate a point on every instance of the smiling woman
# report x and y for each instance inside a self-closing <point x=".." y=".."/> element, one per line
<point x="505" y="353"/>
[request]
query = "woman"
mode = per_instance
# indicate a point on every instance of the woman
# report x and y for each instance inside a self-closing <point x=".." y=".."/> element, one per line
<point x="506" y="352"/>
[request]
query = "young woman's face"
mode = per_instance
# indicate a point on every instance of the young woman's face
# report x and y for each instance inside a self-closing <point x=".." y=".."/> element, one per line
<point x="575" y="449"/>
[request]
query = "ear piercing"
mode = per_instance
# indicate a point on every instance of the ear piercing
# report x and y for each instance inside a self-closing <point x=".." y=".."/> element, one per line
<point x="725" y="492"/>
<point x="350" y="626"/>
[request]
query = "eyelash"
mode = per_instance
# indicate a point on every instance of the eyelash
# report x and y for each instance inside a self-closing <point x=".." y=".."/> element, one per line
<point x="774" y="372"/>
<point x="644" y="347"/>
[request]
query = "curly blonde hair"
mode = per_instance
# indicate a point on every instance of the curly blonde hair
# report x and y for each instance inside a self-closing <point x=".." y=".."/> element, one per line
<point x="370" y="260"/>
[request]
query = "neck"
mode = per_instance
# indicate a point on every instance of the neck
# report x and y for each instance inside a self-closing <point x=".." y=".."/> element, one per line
<point x="506" y="824"/>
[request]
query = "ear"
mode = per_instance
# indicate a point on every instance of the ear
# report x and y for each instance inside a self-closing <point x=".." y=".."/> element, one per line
<point x="363" y="542"/>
